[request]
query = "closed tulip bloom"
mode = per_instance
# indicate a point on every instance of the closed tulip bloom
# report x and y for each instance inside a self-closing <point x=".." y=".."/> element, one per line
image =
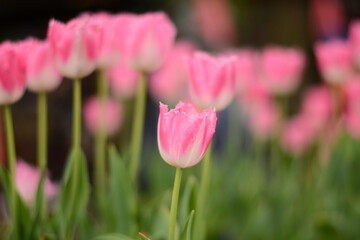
<point x="27" y="180"/>
<point x="184" y="135"/>
<point x="334" y="60"/>
<point x="103" y="115"/>
<point x="123" y="81"/>
<point x="247" y="67"/>
<point x="264" y="120"/>
<point x="41" y="72"/>
<point x="12" y="73"/>
<point x="75" y="46"/>
<point x="281" y="69"/>
<point x="212" y="80"/>
<point x="253" y="96"/>
<point x="351" y="90"/>
<point x="354" y="39"/>
<point x="170" y="83"/>
<point x="148" y="39"/>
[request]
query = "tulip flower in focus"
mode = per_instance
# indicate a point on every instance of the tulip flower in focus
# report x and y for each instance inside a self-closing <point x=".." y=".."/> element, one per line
<point x="281" y="69"/>
<point x="41" y="72"/>
<point x="184" y="135"/>
<point x="212" y="80"/>
<point x="149" y="38"/>
<point x="123" y="81"/>
<point x="354" y="39"/>
<point x="27" y="180"/>
<point x="75" y="46"/>
<point x="100" y="114"/>
<point x="12" y="73"/>
<point x="334" y="60"/>
<point x="170" y="82"/>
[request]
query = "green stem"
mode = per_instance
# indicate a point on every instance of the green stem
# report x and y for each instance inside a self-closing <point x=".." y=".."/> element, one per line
<point x="10" y="144"/>
<point x="100" y="145"/>
<point x="42" y="131"/>
<point x="77" y="113"/>
<point x="199" y="225"/>
<point x="174" y="203"/>
<point x="137" y="128"/>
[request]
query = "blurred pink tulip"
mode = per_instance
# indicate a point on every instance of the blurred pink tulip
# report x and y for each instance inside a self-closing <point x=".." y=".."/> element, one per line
<point x="212" y="80"/>
<point x="123" y="81"/>
<point x="12" y="73"/>
<point x="334" y="60"/>
<point x="351" y="90"/>
<point x="75" y="45"/>
<point x="297" y="135"/>
<point x="27" y="180"/>
<point x="99" y="114"/>
<point x="281" y="69"/>
<point x="253" y="96"/>
<point x="147" y="41"/>
<point x="264" y="120"/>
<point x="184" y="135"/>
<point x="247" y="65"/>
<point x="170" y="82"/>
<point x="41" y="72"/>
<point x="354" y="39"/>
<point x="317" y="105"/>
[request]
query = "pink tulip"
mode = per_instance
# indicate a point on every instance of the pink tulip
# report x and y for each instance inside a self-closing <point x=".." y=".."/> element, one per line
<point x="170" y="83"/>
<point x="247" y="65"/>
<point x="351" y="90"/>
<point x="297" y="135"/>
<point x="12" y="73"/>
<point x="147" y="41"/>
<point x="27" y="180"/>
<point x="253" y="96"/>
<point x="212" y="80"/>
<point x="75" y="46"/>
<point x="317" y="105"/>
<point x="123" y="81"/>
<point x="281" y="69"/>
<point x="105" y="115"/>
<point x="334" y="60"/>
<point x="184" y="135"/>
<point x="354" y="39"/>
<point x="41" y="72"/>
<point x="264" y="120"/>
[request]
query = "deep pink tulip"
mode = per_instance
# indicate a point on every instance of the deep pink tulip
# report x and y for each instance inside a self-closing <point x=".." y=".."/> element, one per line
<point x="354" y="39"/>
<point x="75" y="45"/>
<point x="170" y="83"/>
<point x="12" y="73"/>
<point x="281" y="69"/>
<point x="123" y="81"/>
<point x="334" y="60"/>
<point x="264" y="120"/>
<point x="317" y="106"/>
<point x="99" y="114"/>
<point x="247" y="67"/>
<point x="184" y="135"/>
<point x="147" y="41"/>
<point x="41" y="72"/>
<point x="212" y="80"/>
<point x="27" y="180"/>
<point x="297" y="135"/>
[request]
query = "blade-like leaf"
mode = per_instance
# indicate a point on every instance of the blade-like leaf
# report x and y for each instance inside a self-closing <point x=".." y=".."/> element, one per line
<point x="114" y="236"/>
<point x="186" y="234"/>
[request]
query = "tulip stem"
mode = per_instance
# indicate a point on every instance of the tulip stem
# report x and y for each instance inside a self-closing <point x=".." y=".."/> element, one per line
<point x="77" y="113"/>
<point x="10" y="144"/>
<point x="199" y="225"/>
<point x="174" y="203"/>
<point x="137" y="128"/>
<point x="100" y="144"/>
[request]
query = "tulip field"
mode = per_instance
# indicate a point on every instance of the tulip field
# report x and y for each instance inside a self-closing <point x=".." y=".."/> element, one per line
<point x="187" y="142"/>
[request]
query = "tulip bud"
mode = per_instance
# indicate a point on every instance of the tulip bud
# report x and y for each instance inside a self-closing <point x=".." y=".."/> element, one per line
<point x="184" y="135"/>
<point x="123" y="81"/>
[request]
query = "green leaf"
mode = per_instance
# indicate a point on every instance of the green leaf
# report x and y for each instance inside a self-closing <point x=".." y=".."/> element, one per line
<point x="186" y="234"/>
<point x="188" y="200"/>
<point x="113" y="236"/>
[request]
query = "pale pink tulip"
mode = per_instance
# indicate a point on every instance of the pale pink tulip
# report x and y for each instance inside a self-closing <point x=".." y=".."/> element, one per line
<point x="253" y="96"/>
<point x="103" y="115"/>
<point x="12" y="73"/>
<point x="247" y="67"/>
<point x="281" y="69"/>
<point x="147" y="41"/>
<point x="41" y="72"/>
<point x="297" y="135"/>
<point x="264" y="120"/>
<point x="354" y="39"/>
<point x="212" y="80"/>
<point x="27" y="180"/>
<point x="184" y="135"/>
<point x="170" y="83"/>
<point x="334" y="60"/>
<point x="123" y="81"/>
<point x="351" y="90"/>
<point x="317" y="106"/>
<point x="75" y="46"/>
